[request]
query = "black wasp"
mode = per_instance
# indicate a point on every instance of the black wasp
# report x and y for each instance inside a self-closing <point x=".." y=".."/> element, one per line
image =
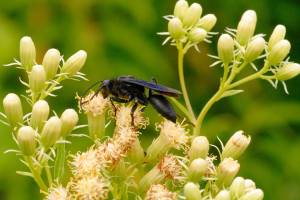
<point x="125" y="89"/>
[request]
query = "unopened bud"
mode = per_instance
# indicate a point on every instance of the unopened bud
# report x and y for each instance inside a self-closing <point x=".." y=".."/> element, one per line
<point x="237" y="187"/>
<point x="288" y="71"/>
<point x="226" y="171"/>
<point x="225" y="48"/>
<point x="256" y="194"/>
<point x="199" y="148"/>
<point x="181" y="8"/>
<point x="192" y="15"/>
<point x="278" y="34"/>
<point x="51" y="62"/>
<point x="197" y="169"/>
<point x="51" y="132"/>
<point x="207" y="22"/>
<point x="236" y="145"/>
<point x="249" y="185"/>
<point x="69" y="119"/>
<point x="175" y="28"/>
<point x="13" y="109"/>
<point x="37" y="79"/>
<point x="223" y="195"/>
<point x="27" y="53"/>
<point x="74" y="63"/>
<point x="197" y="35"/>
<point x="246" y="27"/>
<point x="280" y="50"/>
<point x="26" y="140"/>
<point x="254" y="49"/>
<point x="40" y="113"/>
<point x="191" y="192"/>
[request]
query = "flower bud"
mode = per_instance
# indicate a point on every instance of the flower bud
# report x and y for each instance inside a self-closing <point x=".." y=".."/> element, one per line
<point x="13" y="109"/>
<point x="192" y="15"/>
<point x="175" y="28"/>
<point x="74" y="63"/>
<point x="246" y="27"/>
<point x="51" y="132"/>
<point x="191" y="191"/>
<point x="237" y="187"/>
<point x="278" y="34"/>
<point x="288" y="71"/>
<point x="207" y="22"/>
<point x="226" y="171"/>
<point x="69" y="119"/>
<point x="197" y="169"/>
<point x="199" y="148"/>
<point x="40" y="113"/>
<point x="256" y="194"/>
<point x="37" y="79"/>
<point x="51" y="62"/>
<point x="280" y="50"/>
<point x="223" y="195"/>
<point x="27" y="53"/>
<point x="254" y="49"/>
<point x="197" y="35"/>
<point x="249" y="185"/>
<point x="181" y="8"/>
<point x="225" y="48"/>
<point x="236" y="145"/>
<point x="26" y="140"/>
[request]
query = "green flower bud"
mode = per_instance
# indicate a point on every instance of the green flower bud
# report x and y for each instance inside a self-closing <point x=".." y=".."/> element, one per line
<point x="192" y="192"/>
<point x="175" y="28"/>
<point x="225" y="48"/>
<point x="288" y="71"/>
<point x="223" y="195"/>
<point x="226" y="171"/>
<point x="26" y="140"/>
<point x="280" y="50"/>
<point x="199" y="148"/>
<point x="278" y="34"/>
<point x="13" y="109"/>
<point x="74" y="63"/>
<point x="256" y="194"/>
<point x="40" y="113"/>
<point x="237" y="187"/>
<point x="51" y="132"/>
<point x="197" y="169"/>
<point x="249" y="185"/>
<point x="207" y="22"/>
<point x="236" y="145"/>
<point x="69" y="119"/>
<point x="37" y="79"/>
<point x="254" y="49"/>
<point x="27" y="53"/>
<point x="181" y="8"/>
<point x="246" y="27"/>
<point x="51" y="62"/>
<point x="192" y="15"/>
<point x="136" y="153"/>
<point x="197" y="35"/>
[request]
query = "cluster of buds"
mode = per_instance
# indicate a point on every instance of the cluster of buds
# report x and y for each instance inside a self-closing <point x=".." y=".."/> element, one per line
<point x="186" y="25"/>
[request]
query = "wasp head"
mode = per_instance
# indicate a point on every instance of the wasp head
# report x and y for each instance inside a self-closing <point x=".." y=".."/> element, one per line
<point x="105" y="88"/>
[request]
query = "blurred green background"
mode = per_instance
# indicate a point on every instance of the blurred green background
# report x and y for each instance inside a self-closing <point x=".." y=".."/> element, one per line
<point x="120" y="38"/>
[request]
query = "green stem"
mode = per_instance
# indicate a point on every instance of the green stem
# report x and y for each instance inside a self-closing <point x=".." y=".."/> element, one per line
<point x="181" y="52"/>
<point x="36" y="175"/>
<point x="60" y="162"/>
<point x="51" y="87"/>
<point x="48" y="173"/>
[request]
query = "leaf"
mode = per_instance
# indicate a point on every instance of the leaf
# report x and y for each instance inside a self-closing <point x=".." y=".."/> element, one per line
<point x="229" y="93"/>
<point x="22" y="173"/>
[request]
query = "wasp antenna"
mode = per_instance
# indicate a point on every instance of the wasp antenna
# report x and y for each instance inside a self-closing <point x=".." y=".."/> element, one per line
<point x="87" y="90"/>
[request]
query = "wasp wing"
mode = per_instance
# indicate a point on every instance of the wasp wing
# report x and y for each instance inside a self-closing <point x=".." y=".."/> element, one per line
<point x="151" y="85"/>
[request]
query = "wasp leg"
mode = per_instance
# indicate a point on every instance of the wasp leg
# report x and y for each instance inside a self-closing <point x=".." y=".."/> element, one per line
<point x="133" y="109"/>
<point x="119" y="100"/>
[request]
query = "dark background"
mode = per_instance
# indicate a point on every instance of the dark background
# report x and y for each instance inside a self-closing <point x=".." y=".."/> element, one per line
<point x="120" y="38"/>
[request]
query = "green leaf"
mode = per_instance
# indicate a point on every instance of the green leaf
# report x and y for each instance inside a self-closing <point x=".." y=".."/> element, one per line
<point x="229" y="93"/>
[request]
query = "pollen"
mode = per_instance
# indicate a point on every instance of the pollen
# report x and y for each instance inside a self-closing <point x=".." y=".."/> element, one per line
<point x="58" y="193"/>
<point x="175" y="133"/>
<point x="96" y="105"/>
<point x="110" y="152"/>
<point x="159" y="192"/>
<point x="123" y="117"/>
<point x="170" y="167"/>
<point x="125" y="137"/>
<point x="91" y="188"/>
